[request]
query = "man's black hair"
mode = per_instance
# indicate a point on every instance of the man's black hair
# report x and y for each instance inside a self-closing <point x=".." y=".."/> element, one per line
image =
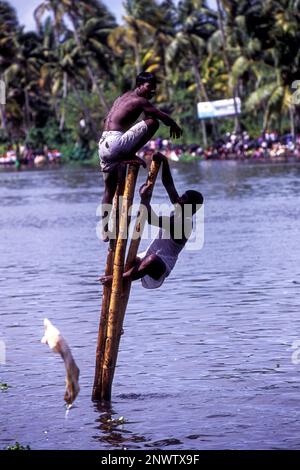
<point x="145" y="77"/>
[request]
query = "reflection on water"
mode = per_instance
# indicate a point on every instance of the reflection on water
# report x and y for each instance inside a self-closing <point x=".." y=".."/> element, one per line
<point x="205" y="361"/>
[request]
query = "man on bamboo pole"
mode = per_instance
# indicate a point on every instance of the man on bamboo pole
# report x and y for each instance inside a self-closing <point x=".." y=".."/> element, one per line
<point x="156" y="263"/>
<point x="122" y="138"/>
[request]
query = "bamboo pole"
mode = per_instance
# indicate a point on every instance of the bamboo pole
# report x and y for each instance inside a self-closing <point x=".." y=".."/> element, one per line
<point x="96" y="395"/>
<point x="142" y="216"/>
<point x="134" y="245"/>
<point x="113" y="331"/>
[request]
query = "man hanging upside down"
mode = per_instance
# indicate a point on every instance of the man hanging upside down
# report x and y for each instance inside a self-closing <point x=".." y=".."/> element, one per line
<point x="156" y="263"/>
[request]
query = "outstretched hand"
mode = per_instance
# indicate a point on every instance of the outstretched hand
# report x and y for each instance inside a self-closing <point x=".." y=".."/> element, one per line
<point x="175" y="131"/>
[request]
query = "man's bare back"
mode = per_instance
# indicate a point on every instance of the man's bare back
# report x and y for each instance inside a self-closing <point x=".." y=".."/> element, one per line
<point x="124" y="112"/>
<point x="127" y="108"/>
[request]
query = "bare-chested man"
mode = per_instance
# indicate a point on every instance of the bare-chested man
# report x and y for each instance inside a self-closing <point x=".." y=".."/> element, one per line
<point x="121" y="139"/>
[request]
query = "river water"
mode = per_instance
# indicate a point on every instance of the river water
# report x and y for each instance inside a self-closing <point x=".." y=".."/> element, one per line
<point x="208" y="361"/>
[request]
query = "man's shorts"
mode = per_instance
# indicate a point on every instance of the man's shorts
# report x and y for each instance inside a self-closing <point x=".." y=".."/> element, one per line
<point x="114" y="145"/>
<point x="149" y="282"/>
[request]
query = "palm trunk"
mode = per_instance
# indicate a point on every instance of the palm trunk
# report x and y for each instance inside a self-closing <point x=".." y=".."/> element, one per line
<point x="201" y="93"/>
<point x="85" y="111"/>
<point x="205" y="96"/>
<point x="237" y="125"/>
<point x="65" y="94"/>
<point x="3" y="117"/>
<point x="137" y="58"/>
<point x="97" y="88"/>
<point x="27" y="110"/>
<point x="266" y="121"/>
<point x="292" y="121"/>
<point x="2" y="103"/>
<point x="90" y="69"/>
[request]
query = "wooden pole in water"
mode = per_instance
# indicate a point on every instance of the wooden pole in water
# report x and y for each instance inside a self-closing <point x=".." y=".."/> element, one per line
<point x="135" y="242"/>
<point x="113" y="331"/>
<point x="96" y="395"/>
<point x="115" y="299"/>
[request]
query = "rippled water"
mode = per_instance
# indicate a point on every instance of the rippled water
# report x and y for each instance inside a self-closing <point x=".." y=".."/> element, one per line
<point x="205" y="361"/>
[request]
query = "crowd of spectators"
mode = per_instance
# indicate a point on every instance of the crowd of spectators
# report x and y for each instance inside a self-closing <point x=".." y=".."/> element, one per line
<point x="271" y="146"/>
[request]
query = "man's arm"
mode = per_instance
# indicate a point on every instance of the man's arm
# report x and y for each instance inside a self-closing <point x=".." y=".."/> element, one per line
<point x="161" y="221"/>
<point x="166" y="177"/>
<point x="150" y="110"/>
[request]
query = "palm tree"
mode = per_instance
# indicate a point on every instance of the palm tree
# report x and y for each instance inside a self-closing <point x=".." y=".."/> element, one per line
<point x="91" y="24"/>
<point x="58" y="9"/>
<point x="23" y="75"/>
<point x="227" y="63"/>
<point x="9" y="29"/>
<point x="196" y="23"/>
<point x="280" y="62"/>
<point x="132" y="38"/>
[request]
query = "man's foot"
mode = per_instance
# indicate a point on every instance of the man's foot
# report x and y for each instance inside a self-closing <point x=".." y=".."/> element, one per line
<point x="135" y="161"/>
<point x="105" y="233"/>
<point x="105" y="237"/>
<point x="106" y="280"/>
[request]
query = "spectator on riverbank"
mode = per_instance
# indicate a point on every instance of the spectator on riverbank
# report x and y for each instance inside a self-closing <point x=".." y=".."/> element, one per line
<point x="270" y="146"/>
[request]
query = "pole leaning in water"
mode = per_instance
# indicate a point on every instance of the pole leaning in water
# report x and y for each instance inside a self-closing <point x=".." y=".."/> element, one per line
<point x="113" y="334"/>
<point x="135" y="241"/>
<point x="114" y="300"/>
<point x="107" y="290"/>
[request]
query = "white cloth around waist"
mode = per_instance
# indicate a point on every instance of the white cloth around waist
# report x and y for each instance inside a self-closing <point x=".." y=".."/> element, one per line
<point x="114" y="144"/>
<point x="167" y="250"/>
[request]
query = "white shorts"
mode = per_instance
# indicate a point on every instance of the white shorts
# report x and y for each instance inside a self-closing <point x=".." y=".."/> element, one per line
<point x="113" y="145"/>
<point x="149" y="282"/>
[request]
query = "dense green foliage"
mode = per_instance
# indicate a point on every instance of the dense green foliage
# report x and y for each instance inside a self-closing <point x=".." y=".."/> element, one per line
<point x="17" y="446"/>
<point x="70" y="69"/>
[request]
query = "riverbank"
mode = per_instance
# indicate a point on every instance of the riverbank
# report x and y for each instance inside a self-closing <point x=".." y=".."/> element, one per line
<point x="269" y="147"/>
<point x="185" y="160"/>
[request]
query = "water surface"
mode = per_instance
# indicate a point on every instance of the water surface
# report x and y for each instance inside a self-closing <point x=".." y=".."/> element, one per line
<point x="205" y="361"/>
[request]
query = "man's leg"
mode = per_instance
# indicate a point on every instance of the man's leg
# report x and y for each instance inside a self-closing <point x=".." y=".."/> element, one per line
<point x="110" y="185"/>
<point x="136" y="138"/>
<point x="152" y="125"/>
<point x="152" y="266"/>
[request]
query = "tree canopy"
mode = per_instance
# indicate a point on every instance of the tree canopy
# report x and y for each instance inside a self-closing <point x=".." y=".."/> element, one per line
<point x="78" y="59"/>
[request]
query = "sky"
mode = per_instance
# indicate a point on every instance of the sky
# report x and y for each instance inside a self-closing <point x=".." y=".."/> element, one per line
<point x="25" y="10"/>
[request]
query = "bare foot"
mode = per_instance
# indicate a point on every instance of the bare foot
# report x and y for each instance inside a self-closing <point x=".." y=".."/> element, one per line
<point x="104" y="235"/>
<point x="135" y="161"/>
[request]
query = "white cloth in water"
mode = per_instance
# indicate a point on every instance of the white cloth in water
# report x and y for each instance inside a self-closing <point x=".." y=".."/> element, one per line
<point x="58" y="344"/>
<point x="113" y="145"/>
<point x="167" y="250"/>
